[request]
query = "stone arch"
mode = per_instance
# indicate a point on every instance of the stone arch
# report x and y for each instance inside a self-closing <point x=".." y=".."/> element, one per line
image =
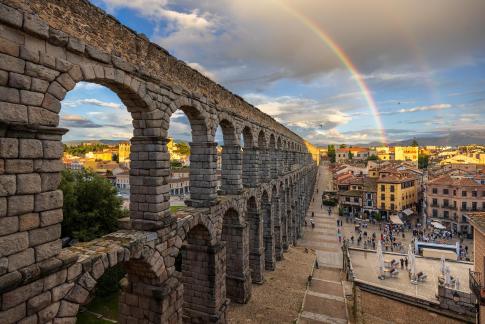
<point x="203" y="265"/>
<point x="142" y="262"/>
<point x="231" y="164"/>
<point x="250" y="162"/>
<point x="256" y="254"/>
<point x="235" y="234"/>
<point x="264" y="169"/>
<point x="203" y="152"/>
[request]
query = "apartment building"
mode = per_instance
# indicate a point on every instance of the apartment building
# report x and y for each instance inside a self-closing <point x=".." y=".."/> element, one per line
<point x="396" y="191"/>
<point x="351" y="153"/>
<point x="449" y="198"/>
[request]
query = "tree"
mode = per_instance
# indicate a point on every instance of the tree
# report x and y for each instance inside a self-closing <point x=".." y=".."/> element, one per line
<point x="182" y="148"/>
<point x="351" y="155"/>
<point x="91" y="205"/>
<point x="423" y="161"/>
<point x="115" y="157"/>
<point x="343" y="146"/>
<point x="331" y="153"/>
<point x="415" y="143"/>
<point x="372" y="157"/>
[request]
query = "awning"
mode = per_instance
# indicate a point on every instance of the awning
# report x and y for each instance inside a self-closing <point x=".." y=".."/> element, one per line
<point x="396" y="220"/>
<point x="408" y="212"/>
<point x="437" y="225"/>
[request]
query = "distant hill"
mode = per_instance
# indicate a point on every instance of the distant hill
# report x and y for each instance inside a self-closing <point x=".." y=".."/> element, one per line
<point x="101" y="141"/>
<point x="452" y="138"/>
<point x="105" y="141"/>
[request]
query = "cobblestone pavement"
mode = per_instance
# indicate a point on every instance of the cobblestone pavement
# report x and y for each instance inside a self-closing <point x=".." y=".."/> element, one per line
<point x="324" y="300"/>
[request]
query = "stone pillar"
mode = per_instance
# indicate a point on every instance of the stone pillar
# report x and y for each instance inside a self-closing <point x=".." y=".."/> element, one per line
<point x="281" y="162"/>
<point x="204" y="284"/>
<point x="268" y="236"/>
<point x="203" y="177"/>
<point x="250" y="168"/>
<point x="144" y="302"/>
<point x="238" y="274"/>
<point x="273" y="163"/>
<point x="30" y="202"/>
<point x="231" y="175"/>
<point x="277" y="229"/>
<point x="149" y="189"/>
<point x="264" y="168"/>
<point x="256" y="245"/>
<point x="284" y="222"/>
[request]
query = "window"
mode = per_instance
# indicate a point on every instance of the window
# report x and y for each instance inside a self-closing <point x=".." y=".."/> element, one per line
<point x="383" y="206"/>
<point x="392" y="197"/>
<point x="392" y="206"/>
<point x="383" y="197"/>
<point x="392" y="188"/>
<point x="446" y="214"/>
<point x="483" y="205"/>
<point x="356" y="199"/>
<point x="347" y="199"/>
<point x="463" y="193"/>
<point x="445" y="203"/>
<point x="435" y="202"/>
<point x="474" y="206"/>
<point x="369" y="203"/>
<point x="383" y="188"/>
<point x="483" y="193"/>
<point x="369" y="196"/>
<point x="454" y="192"/>
<point x="445" y="191"/>
<point x="435" y="190"/>
<point x="474" y="193"/>
<point x="435" y="213"/>
<point x="463" y="205"/>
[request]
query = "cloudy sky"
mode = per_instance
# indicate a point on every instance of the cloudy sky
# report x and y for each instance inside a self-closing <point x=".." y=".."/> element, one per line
<point x="318" y="66"/>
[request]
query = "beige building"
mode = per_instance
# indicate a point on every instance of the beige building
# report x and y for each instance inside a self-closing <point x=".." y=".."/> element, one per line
<point x="449" y="198"/>
<point x="351" y="153"/>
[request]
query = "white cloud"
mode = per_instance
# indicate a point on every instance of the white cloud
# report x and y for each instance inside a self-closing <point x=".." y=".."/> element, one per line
<point x="93" y="102"/>
<point x="202" y="70"/>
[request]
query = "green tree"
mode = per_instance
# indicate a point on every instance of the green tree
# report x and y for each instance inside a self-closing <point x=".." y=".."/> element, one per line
<point x="343" y="146"/>
<point x="373" y="157"/>
<point x="91" y="205"/>
<point x="182" y="148"/>
<point x="414" y="143"/>
<point x="115" y="157"/>
<point x="351" y="155"/>
<point x="423" y="161"/>
<point x="331" y="153"/>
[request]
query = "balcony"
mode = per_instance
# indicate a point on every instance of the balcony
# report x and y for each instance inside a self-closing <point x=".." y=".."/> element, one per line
<point x="448" y="207"/>
<point x="476" y="286"/>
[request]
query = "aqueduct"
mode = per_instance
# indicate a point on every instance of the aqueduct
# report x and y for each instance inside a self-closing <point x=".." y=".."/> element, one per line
<point x="227" y="239"/>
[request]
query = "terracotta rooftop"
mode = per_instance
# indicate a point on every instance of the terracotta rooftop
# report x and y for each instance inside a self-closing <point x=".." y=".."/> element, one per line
<point x="447" y="180"/>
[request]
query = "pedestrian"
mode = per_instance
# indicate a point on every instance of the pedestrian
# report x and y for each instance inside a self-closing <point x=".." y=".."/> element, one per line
<point x="305" y="223"/>
<point x="313" y="214"/>
<point x="352" y="239"/>
<point x="313" y="224"/>
<point x="406" y="262"/>
<point x="338" y="222"/>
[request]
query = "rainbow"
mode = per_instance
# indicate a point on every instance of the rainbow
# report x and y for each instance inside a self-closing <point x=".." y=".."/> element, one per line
<point x="345" y="60"/>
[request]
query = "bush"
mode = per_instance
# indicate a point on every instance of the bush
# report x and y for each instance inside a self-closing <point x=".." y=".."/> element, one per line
<point x="91" y="205"/>
<point x="329" y="202"/>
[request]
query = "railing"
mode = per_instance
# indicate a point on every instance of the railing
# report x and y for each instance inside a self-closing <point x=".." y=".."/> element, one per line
<point x="448" y="207"/>
<point x="476" y="286"/>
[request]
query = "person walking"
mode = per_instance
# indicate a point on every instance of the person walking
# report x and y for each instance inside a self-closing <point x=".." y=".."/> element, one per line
<point x="406" y="262"/>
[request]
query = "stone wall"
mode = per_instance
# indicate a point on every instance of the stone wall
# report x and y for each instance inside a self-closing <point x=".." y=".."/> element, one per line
<point x="376" y="309"/>
<point x="46" y="48"/>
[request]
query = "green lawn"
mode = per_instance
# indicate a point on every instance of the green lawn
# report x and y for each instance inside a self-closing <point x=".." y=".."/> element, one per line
<point x="174" y="209"/>
<point x="106" y="306"/>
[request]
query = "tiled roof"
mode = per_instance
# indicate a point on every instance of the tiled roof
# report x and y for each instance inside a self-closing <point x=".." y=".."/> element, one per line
<point x="351" y="193"/>
<point x="447" y="180"/>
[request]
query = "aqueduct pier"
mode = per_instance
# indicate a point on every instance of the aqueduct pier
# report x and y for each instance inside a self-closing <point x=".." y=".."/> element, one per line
<point x="226" y="239"/>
